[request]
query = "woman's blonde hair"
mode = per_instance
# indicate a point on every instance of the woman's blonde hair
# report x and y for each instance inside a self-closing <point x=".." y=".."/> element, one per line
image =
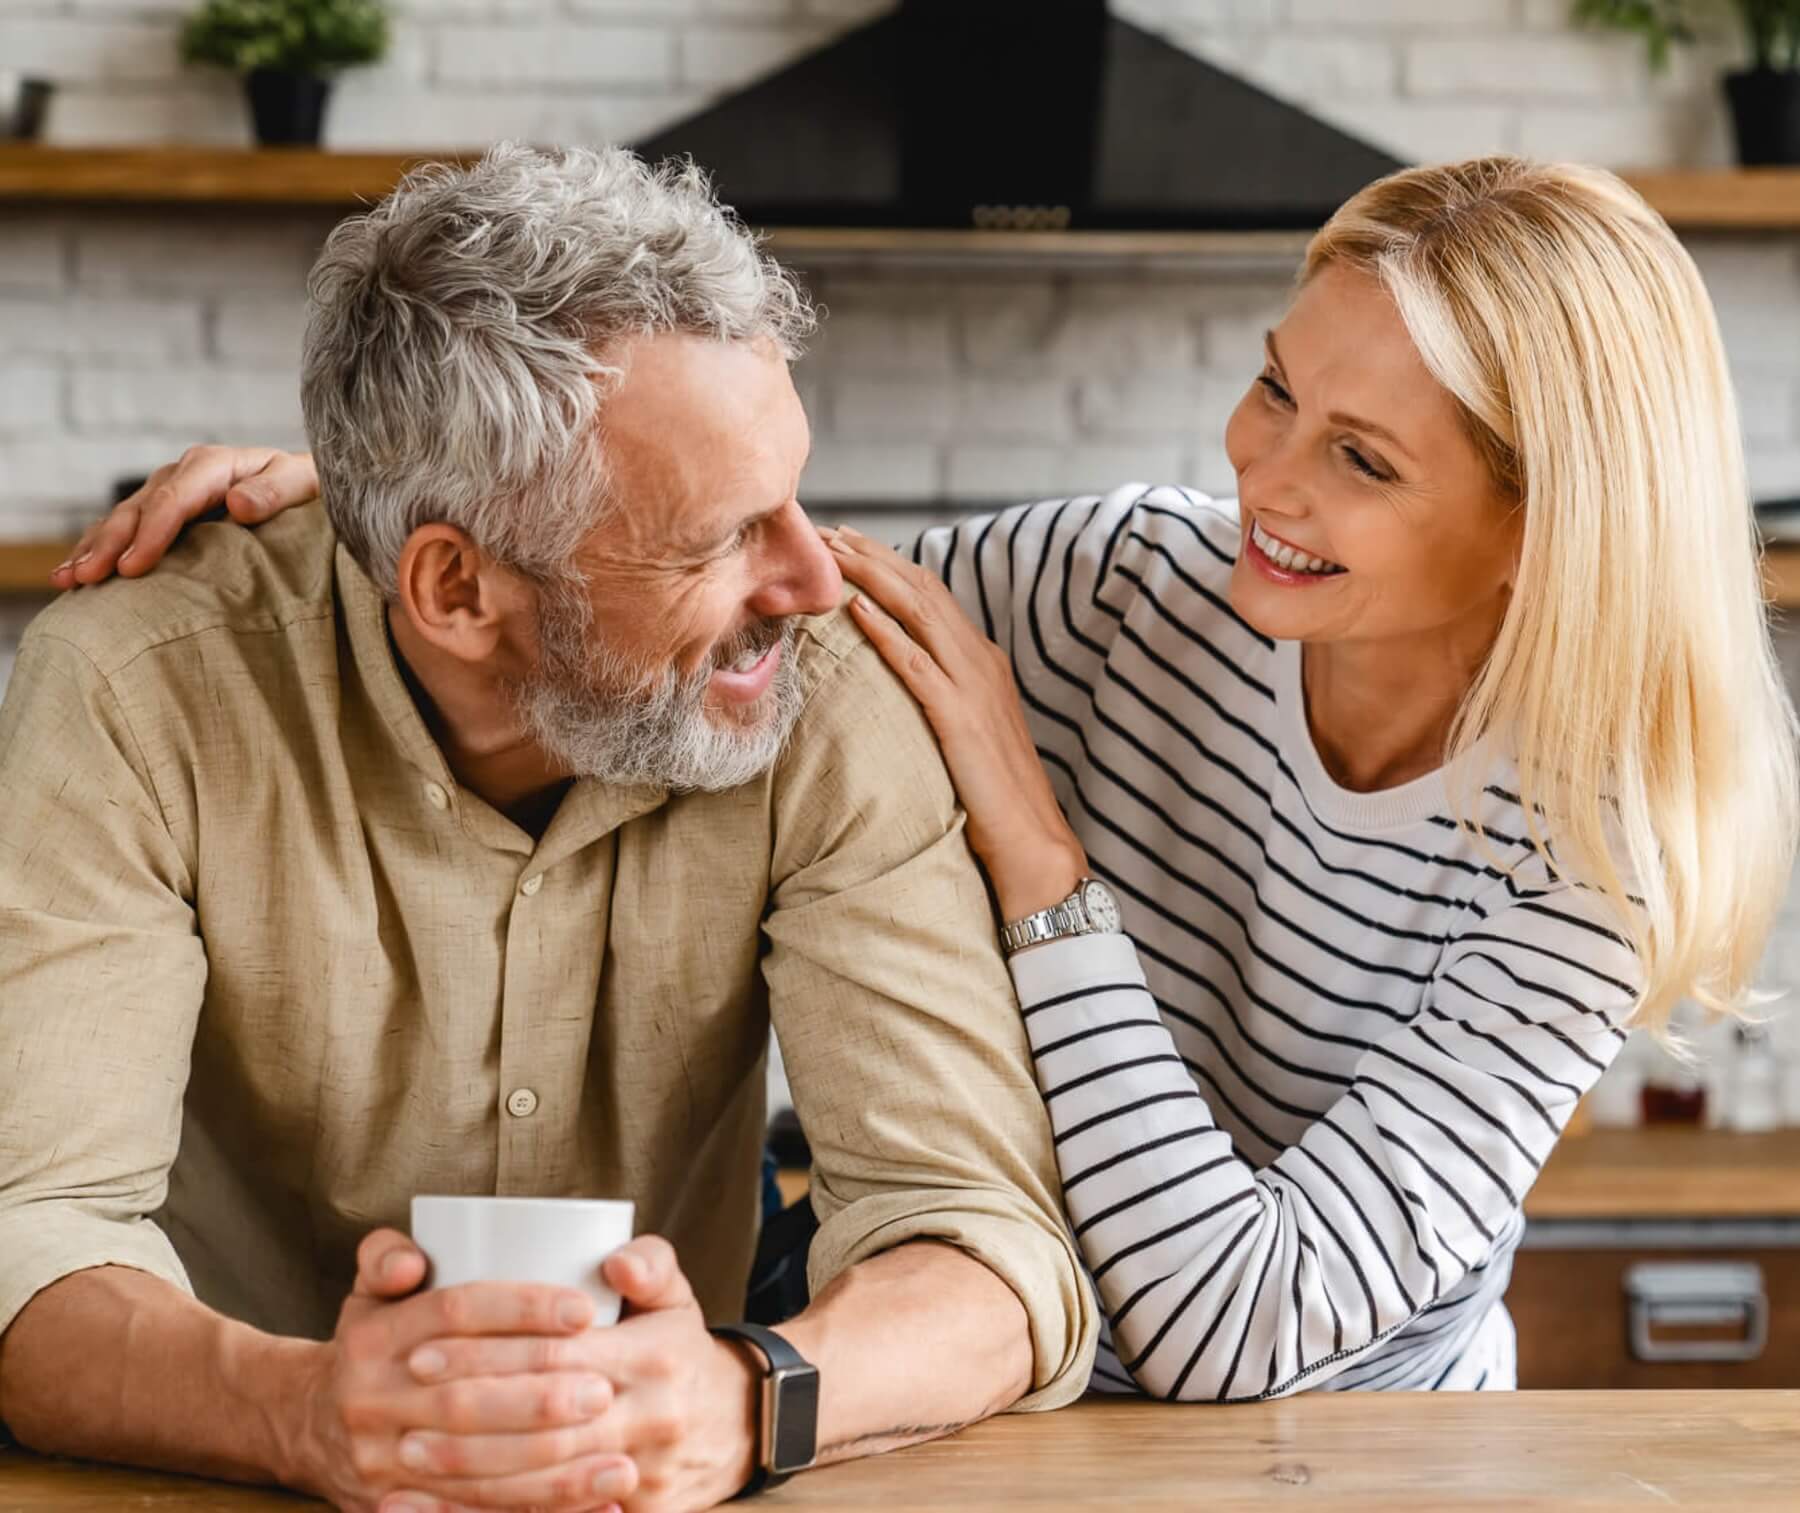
<point x="1633" y="679"/>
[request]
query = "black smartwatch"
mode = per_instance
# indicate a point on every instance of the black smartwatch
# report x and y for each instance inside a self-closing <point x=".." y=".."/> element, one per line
<point x="789" y="1428"/>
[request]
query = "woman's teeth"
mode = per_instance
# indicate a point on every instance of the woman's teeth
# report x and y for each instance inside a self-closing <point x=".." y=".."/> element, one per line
<point x="1287" y="558"/>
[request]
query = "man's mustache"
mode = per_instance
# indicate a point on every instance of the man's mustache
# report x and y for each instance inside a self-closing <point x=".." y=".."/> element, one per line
<point x="759" y="636"/>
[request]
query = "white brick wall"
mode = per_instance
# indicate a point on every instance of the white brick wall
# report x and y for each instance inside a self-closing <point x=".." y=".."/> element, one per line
<point x="461" y="72"/>
<point x="124" y="336"/>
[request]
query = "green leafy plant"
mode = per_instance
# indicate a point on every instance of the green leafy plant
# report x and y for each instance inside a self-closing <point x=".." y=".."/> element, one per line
<point x="1772" y="26"/>
<point x="294" y="36"/>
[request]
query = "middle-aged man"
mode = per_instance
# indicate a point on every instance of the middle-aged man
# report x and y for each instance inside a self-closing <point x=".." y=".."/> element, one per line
<point x="469" y="843"/>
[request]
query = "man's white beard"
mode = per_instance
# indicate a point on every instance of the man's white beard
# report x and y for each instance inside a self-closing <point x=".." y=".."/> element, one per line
<point x="601" y="715"/>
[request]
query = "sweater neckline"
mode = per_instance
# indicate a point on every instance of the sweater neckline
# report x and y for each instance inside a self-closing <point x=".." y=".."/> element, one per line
<point x="1423" y="798"/>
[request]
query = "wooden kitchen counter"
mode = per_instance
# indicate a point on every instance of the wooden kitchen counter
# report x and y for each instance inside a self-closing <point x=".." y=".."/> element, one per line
<point x="1670" y="1173"/>
<point x="1344" y="1452"/>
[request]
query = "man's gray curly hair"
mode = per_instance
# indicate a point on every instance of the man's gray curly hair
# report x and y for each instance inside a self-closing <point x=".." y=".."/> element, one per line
<point x="455" y="366"/>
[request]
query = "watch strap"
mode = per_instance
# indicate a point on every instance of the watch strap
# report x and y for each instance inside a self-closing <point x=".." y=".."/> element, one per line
<point x="781" y="1357"/>
<point x="1058" y="922"/>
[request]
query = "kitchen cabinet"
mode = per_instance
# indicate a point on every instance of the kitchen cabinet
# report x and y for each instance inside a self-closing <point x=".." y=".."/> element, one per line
<point x="1662" y="1258"/>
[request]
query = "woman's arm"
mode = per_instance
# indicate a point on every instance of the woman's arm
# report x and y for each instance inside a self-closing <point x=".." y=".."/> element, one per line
<point x="252" y="483"/>
<point x="1222" y="1281"/>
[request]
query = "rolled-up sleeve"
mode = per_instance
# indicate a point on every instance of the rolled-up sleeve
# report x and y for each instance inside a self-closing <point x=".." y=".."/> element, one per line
<point x="101" y="979"/>
<point x="898" y="1022"/>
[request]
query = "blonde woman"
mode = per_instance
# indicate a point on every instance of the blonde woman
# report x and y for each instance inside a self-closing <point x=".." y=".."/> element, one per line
<point x="1448" y="752"/>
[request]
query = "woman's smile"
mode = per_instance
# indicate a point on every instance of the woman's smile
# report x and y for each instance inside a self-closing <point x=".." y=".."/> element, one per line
<point x="1284" y="563"/>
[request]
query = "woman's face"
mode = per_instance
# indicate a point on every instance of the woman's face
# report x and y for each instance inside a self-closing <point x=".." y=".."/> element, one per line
<point x="1350" y="456"/>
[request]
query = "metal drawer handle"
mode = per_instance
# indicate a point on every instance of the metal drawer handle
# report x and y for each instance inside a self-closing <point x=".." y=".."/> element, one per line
<point x="1673" y="1293"/>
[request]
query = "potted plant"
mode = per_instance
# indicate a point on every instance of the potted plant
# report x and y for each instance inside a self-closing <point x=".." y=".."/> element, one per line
<point x="1765" y="98"/>
<point x="288" y="52"/>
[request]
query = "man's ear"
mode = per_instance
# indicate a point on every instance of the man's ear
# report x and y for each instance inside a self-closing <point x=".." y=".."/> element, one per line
<point x="455" y="596"/>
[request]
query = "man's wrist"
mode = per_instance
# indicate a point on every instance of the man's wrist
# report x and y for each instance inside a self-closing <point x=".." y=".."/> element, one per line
<point x="279" y="1382"/>
<point x="741" y="1373"/>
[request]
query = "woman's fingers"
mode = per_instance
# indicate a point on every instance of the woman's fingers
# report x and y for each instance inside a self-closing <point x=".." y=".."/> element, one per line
<point x="287" y="479"/>
<point x="102" y="544"/>
<point x="915" y="666"/>
<point x="913" y="596"/>
<point x="198" y="483"/>
<point x="252" y="482"/>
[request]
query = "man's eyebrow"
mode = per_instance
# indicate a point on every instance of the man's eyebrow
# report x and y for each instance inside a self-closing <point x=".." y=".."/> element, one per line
<point x="720" y="537"/>
<point x="1343" y="417"/>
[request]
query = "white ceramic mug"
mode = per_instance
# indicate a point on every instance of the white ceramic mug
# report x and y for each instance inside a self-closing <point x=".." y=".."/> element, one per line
<point x="561" y="1241"/>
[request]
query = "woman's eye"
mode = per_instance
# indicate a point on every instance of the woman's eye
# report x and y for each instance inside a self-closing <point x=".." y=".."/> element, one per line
<point x="1273" y="389"/>
<point x="1362" y="464"/>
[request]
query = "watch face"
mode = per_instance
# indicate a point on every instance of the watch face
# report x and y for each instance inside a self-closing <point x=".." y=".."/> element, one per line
<point x="794" y="1442"/>
<point x="1102" y="908"/>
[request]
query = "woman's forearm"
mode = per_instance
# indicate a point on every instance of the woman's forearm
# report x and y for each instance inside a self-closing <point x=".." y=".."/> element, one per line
<point x="911" y="1345"/>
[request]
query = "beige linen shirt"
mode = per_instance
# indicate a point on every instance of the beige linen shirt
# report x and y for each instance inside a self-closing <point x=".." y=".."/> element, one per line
<point x="266" y="971"/>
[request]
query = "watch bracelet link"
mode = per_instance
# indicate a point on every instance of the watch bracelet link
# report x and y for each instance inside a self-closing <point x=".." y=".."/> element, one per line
<point x="1058" y="922"/>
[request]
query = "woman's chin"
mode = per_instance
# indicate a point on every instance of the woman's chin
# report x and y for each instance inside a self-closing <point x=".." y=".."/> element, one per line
<point x="1269" y="610"/>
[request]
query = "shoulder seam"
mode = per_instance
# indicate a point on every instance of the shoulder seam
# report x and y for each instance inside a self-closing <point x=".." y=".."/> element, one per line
<point x="274" y="628"/>
<point x="137" y="747"/>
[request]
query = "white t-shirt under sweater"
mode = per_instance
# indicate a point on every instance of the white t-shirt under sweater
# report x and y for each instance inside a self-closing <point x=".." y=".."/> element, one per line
<point x="1298" y="1108"/>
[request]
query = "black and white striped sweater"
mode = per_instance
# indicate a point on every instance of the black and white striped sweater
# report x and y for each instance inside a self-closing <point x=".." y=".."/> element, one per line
<point x="1297" y="1111"/>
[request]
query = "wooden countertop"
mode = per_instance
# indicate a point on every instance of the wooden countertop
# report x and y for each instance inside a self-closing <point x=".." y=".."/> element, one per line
<point x="1670" y="1174"/>
<point x="1344" y="1452"/>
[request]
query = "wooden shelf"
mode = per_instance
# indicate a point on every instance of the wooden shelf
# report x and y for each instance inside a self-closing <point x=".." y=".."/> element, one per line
<point x="1781" y="573"/>
<point x="1738" y="199"/>
<point x="203" y="175"/>
<point x="25" y="565"/>
<point x="1765" y="199"/>
<point x="1670" y="1174"/>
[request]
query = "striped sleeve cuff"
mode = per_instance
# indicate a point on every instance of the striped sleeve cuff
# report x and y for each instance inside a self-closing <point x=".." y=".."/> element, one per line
<point x="1078" y="964"/>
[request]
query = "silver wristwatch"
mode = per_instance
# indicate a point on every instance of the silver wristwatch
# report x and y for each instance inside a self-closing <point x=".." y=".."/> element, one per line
<point x="1090" y="910"/>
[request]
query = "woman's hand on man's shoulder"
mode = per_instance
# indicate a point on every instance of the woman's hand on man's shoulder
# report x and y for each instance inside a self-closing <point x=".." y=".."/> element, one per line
<point x="252" y="483"/>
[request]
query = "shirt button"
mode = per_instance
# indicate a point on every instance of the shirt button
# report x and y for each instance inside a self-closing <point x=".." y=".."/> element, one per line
<point x="521" y="1103"/>
<point x="531" y="884"/>
<point x="436" y="797"/>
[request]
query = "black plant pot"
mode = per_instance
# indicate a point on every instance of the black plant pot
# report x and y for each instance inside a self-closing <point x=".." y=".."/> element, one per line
<point x="289" y="109"/>
<point x="1765" y="109"/>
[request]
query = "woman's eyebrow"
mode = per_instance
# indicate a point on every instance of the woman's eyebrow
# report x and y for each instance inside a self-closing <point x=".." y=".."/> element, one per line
<point x="1369" y="428"/>
<point x="1344" y="418"/>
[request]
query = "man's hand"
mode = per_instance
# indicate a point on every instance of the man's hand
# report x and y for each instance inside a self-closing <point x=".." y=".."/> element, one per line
<point x="682" y="1417"/>
<point x="391" y="1424"/>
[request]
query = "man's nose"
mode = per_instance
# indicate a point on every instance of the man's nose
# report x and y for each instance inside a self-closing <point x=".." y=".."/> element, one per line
<point x="801" y="576"/>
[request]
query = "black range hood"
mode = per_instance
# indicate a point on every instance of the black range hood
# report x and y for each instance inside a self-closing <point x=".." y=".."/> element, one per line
<point x="1018" y="115"/>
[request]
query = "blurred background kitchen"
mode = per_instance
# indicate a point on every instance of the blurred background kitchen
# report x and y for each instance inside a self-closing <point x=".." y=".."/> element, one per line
<point x="1087" y="317"/>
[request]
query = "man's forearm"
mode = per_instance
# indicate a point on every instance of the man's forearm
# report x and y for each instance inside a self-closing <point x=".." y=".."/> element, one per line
<point x="911" y="1345"/>
<point x="115" y="1364"/>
